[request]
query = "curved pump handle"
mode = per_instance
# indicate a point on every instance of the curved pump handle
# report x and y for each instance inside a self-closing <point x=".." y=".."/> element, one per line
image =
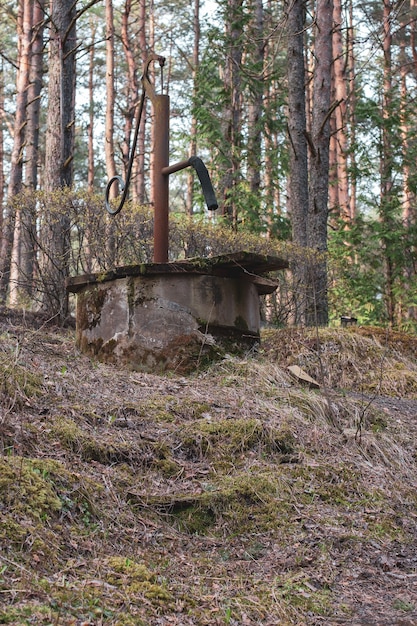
<point x="123" y="188"/>
<point x="204" y="178"/>
<point x="194" y="161"/>
<point x="148" y="89"/>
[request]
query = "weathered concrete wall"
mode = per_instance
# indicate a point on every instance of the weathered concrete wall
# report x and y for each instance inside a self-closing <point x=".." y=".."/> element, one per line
<point x="160" y="316"/>
<point x="164" y="321"/>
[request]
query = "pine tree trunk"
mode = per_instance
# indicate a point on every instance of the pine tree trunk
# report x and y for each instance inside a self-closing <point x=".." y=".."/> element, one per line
<point x="132" y="88"/>
<point x="386" y="167"/>
<point x="110" y="98"/>
<point x="140" y="161"/>
<point x="34" y="93"/>
<point x="109" y="129"/>
<point x="232" y="114"/>
<point x="16" y="173"/>
<point x="32" y="145"/>
<point x="317" y="302"/>
<point x="255" y="105"/>
<point x="91" y="112"/>
<point x="351" y="111"/>
<point x="268" y="175"/>
<point x="298" y="173"/>
<point x="151" y="27"/>
<point x="413" y="31"/>
<point x="192" y="150"/>
<point x="61" y="97"/>
<point x="406" y="132"/>
<point x="340" y="181"/>
<point x="409" y="215"/>
<point x="59" y="155"/>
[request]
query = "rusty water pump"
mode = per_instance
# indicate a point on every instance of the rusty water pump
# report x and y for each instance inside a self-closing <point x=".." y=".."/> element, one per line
<point x="161" y="169"/>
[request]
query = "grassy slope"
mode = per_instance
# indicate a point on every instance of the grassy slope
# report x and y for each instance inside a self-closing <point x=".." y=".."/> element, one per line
<point x="233" y="496"/>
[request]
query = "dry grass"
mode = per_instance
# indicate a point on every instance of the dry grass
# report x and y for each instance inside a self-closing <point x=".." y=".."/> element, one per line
<point x="232" y="496"/>
<point x="368" y="360"/>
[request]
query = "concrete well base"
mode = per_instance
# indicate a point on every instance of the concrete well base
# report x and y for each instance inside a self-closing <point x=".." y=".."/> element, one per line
<point x="155" y="317"/>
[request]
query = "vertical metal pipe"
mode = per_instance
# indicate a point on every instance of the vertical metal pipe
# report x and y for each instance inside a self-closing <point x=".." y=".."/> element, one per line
<point x="160" y="180"/>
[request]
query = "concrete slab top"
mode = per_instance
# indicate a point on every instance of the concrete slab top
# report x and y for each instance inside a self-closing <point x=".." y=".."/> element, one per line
<point x="245" y="264"/>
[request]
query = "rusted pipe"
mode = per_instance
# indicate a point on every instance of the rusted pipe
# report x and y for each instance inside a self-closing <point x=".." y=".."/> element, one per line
<point x="160" y="103"/>
<point x="159" y="179"/>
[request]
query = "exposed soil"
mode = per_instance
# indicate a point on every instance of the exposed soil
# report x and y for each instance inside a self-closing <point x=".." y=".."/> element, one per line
<point x="234" y="495"/>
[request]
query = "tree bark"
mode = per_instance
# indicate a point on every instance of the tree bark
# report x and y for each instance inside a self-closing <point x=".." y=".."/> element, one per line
<point x="109" y="125"/>
<point x="351" y="111"/>
<point x="91" y="111"/>
<point x="257" y="50"/>
<point x="297" y="132"/>
<point x="59" y="154"/>
<point x="61" y="97"/>
<point x="233" y="110"/>
<point x="317" y="300"/>
<point x="298" y="173"/>
<point x="27" y="260"/>
<point x="386" y="167"/>
<point x="34" y="93"/>
<point x="192" y="150"/>
<point x="340" y="178"/>
<point x="110" y="98"/>
<point x="25" y="13"/>
<point x="131" y="87"/>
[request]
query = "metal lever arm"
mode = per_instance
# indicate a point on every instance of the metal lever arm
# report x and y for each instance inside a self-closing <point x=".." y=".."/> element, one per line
<point x="124" y="185"/>
<point x="148" y="89"/>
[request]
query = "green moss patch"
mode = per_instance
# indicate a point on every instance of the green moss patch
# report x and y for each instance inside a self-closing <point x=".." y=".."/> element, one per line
<point x="233" y="496"/>
<point x="27" y="488"/>
<point x="237" y="504"/>
<point x="94" y="446"/>
<point x="228" y="438"/>
<point x="136" y="580"/>
<point x="341" y="485"/>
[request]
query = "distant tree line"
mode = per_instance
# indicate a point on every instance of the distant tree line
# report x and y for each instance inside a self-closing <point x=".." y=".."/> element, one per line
<point x="304" y="112"/>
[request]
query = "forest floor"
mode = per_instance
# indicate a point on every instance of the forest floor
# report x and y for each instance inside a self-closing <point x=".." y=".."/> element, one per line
<point x="232" y="496"/>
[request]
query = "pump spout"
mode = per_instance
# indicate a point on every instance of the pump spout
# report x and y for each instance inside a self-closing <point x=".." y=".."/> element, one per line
<point x="203" y="177"/>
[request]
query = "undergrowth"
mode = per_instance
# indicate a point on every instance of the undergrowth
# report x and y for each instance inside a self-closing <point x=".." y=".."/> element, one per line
<point x="235" y="495"/>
